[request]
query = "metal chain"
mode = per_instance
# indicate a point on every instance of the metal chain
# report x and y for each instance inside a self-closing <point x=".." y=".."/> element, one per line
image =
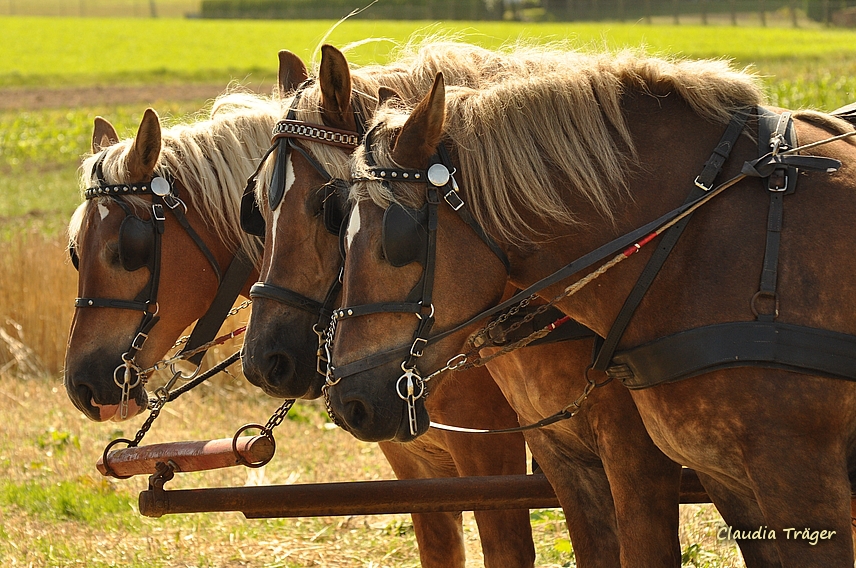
<point x="277" y="417"/>
<point x="164" y="363"/>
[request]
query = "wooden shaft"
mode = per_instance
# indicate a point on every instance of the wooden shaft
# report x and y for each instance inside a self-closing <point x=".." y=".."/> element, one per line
<point x="187" y="456"/>
<point x="375" y="497"/>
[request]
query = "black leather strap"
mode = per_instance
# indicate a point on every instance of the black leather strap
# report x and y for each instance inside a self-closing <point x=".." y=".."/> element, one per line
<point x="737" y="344"/>
<point x="208" y="325"/>
<point x="285" y="296"/>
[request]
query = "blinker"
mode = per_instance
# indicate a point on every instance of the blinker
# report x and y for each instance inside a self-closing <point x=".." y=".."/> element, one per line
<point x="276" y="189"/>
<point x="136" y="243"/>
<point x="252" y="221"/>
<point x="404" y="234"/>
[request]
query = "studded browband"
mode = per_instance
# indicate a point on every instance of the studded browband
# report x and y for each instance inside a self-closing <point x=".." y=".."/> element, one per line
<point x="288" y="128"/>
<point x="160" y="185"/>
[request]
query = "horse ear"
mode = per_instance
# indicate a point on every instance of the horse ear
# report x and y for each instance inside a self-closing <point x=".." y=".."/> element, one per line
<point x="386" y="94"/>
<point x="292" y="72"/>
<point x="103" y="135"/>
<point x="145" y="151"/>
<point x="422" y="132"/>
<point x="334" y="76"/>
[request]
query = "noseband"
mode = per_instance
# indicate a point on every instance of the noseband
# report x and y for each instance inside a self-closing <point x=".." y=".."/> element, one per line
<point x="410" y="235"/>
<point x="140" y="246"/>
<point x="332" y="197"/>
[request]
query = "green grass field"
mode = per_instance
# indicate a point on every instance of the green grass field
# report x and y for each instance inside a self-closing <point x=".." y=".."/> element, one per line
<point x="110" y="51"/>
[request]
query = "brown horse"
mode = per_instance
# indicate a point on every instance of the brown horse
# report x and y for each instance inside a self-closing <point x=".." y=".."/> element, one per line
<point x="627" y="136"/>
<point x="125" y="275"/>
<point x="580" y="457"/>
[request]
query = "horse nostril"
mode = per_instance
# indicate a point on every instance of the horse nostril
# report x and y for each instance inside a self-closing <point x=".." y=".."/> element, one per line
<point x="356" y="414"/>
<point x="281" y="368"/>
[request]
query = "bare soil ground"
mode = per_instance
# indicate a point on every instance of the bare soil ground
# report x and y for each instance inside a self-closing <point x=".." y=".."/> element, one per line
<point x="29" y="98"/>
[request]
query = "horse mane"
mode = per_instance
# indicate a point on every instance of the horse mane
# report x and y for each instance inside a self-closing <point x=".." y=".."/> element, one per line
<point x="411" y="73"/>
<point x="515" y="160"/>
<point x="213" y="157"/>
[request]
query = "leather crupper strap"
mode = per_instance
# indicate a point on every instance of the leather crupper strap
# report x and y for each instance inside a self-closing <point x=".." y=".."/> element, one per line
<point x="763" y="342"/>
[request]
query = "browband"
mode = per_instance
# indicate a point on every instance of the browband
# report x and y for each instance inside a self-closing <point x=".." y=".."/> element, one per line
<point x="289" y="128"/>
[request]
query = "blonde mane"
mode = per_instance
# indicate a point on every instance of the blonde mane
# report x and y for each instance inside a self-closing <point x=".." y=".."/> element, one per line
<point x="526" y="139"/>
<point x="212" y="157"/>
<point x="411" y="74"/>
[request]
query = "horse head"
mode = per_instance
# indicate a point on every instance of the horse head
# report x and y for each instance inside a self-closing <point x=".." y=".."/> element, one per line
<point x="302" y="199"/>
<point x="407" y="284"/>
<point x="151" y="248"/>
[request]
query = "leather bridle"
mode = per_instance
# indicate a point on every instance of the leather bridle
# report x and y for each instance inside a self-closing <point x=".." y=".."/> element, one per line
<point x="332" y="197"/>
<point x="128" y="375"/>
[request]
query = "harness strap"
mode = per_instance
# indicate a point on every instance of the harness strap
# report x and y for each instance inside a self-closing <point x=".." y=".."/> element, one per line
<point x="605" y="348"/>
<point x="208" y="325"/>
<point x="185" y="224"/>
<point x="737" y="344"/>
<point x="284" y="296"/>
<point x="782" y="180"/>
<point x="110" y="303"/>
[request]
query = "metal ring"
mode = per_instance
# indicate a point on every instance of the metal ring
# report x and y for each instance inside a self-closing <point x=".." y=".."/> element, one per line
<point x="181" y="375"/>
<point x="240" y="459"/>
<point x="762" y="293"/>
<point x="109" y="470"/>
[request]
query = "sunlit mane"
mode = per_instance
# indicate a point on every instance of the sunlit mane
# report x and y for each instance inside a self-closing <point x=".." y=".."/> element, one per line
<point x="411" y="74"/>
<point x="528" y="138"/>
<point x="211" y="157"/>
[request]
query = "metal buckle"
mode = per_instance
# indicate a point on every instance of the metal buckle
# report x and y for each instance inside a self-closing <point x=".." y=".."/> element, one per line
<point x="413" y="348"/>
<point x="700" y="185"/>
<point x="158" y="213"/>
<point x="453" y="199"/>
<point x="139" y="341"/>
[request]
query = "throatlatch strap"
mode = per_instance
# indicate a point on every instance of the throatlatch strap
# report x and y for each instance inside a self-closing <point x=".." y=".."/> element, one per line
<point x="605" y="348"/>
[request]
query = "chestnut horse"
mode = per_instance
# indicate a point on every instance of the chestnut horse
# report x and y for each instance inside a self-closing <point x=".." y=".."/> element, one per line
<point x="773" y="434"/>
<point x="605" y="469"/>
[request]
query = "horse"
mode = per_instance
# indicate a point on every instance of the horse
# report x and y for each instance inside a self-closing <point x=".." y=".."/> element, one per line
<point x="167" y="201"/>
<point x="209" y="162"/>
<point x="588" y="470"/>
<point x="771" y="433"/>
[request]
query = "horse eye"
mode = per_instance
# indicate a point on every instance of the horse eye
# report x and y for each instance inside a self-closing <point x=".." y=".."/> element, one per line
<point x="111" y="252"/>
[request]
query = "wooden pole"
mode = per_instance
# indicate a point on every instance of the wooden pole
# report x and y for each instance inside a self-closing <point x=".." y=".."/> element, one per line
<point x="375" y="497"/>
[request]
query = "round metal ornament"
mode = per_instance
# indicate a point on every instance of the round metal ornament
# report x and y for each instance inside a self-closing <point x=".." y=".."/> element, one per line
<point x="438" y="175"/>
<point x="160" y="186"/>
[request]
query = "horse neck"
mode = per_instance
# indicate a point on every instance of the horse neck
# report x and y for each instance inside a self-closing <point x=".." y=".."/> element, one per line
<point x="673" y="144"/>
